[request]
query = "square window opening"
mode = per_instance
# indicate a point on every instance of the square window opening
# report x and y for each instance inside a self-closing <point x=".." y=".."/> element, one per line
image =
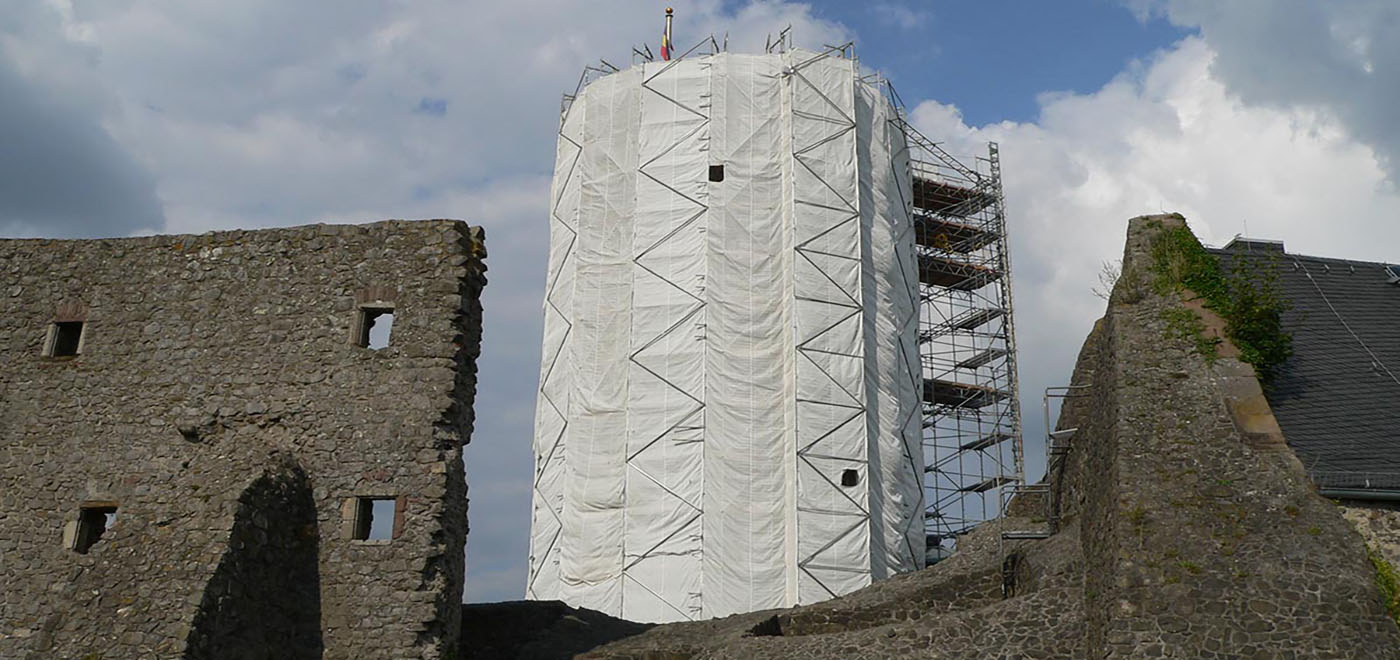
<point x="716" y="173"/>
<point x="374" y="518"/>
<point x="93" y="522"/>
<point x="66" y="338"/>
<point x="850" y="478"/>
<point x="375" y="324"/>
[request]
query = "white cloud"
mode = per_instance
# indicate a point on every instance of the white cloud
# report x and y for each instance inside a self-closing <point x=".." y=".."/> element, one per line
<point x="1341" y="57"/>
<point x="1165" y="136"/>
<point x="263" y="112"/>
<point x="60" y="166"/>
<point x="900" y="15"/>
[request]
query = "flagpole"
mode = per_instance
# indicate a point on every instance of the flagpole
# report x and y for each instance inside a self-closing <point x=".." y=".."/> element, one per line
<point x="670" y="45"/>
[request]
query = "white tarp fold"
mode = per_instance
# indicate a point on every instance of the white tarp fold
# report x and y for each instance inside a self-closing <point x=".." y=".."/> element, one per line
<point x="591" y="540"/>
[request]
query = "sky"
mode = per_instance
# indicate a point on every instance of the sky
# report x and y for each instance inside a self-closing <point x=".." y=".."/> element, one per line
<point x="1273" y="118"/>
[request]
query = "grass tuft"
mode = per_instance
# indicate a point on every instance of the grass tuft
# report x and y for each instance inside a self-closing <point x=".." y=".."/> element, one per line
<point x="1387" y="580"/>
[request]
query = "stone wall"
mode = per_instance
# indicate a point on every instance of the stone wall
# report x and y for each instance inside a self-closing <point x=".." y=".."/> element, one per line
<point x="1205" y="539"/>
<point x="1378" y="522"/>
<point x="266" y="592"/>
<point x="219" y="402"/>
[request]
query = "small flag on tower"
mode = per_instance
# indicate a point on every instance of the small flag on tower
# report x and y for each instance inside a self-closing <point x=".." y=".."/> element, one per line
<point x="666" y="45"/>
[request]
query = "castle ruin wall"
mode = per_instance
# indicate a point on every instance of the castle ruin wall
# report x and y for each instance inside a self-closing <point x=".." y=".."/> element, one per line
<point x="221" y="402"/>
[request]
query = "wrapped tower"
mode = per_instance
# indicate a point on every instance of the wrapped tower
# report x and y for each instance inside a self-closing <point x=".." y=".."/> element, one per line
<point x="729" y="412"/>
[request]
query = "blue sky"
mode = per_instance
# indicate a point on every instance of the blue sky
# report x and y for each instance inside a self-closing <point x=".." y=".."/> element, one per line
<point x="993" y="59"/>
<point x="184" y="117"/>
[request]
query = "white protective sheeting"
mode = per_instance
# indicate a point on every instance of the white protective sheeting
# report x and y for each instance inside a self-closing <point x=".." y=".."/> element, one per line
<point x="728" y="413"/>
<point x="667" y="347"/>
<point x="593" y="520"/>
<point x="748" y="365"/>
<point x="833" y="521"/>
<point x="891" y="309"/>
<point x="556" y="375"/>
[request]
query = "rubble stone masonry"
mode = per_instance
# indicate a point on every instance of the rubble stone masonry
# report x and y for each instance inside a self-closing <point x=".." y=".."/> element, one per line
<point x="221" y="401"/>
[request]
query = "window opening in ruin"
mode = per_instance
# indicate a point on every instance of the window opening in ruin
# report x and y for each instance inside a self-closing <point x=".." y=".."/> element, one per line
<point x="849" y="478"/>
<point x="65" y="338"/>
<point x="374" y="518"/>
<point x="374" y="326"/>
<point x="93" y="522"/>
<point x="716" y="173"/>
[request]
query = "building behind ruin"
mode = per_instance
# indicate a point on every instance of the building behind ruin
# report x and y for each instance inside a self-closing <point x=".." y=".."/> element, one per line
<point x="1335" y="397"/>
<point x="203" y="458"/>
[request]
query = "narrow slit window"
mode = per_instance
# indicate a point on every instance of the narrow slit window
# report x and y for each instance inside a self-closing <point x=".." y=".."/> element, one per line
<point x="375" y="324"/>
<point x="93" y="522"/>
<point x="374" y="518"/>
<point x="850" y="478"/>
<point x="716" y="173"/>
<point x="65" y="338"/>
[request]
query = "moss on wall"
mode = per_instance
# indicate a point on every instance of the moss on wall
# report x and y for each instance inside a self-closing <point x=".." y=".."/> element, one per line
<point x="1387" y="580"/>
<point x="1246" y="298"/>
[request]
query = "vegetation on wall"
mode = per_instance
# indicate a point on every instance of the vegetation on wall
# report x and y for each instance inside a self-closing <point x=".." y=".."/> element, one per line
<point x="1246" y="298"/>
<point x="1183" y="323"/>
<point x="1388" y="581"/>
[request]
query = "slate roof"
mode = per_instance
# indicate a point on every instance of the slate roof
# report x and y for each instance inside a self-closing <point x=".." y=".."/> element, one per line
<point x="1337" y="399"/>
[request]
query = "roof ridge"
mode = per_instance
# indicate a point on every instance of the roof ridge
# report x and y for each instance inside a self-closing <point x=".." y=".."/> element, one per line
<point x="1304" y="257"/>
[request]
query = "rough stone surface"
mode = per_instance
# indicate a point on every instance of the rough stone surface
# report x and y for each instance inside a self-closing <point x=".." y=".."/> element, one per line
<point x="219" y="402"/>
<point x="266" y="594"/>
<point x="954" y="610"/>
<point x="1378" y="523"/>
<point x="537" y="630"/>
<point x="1185" y="536"/>
<point x="1200" y="544"/>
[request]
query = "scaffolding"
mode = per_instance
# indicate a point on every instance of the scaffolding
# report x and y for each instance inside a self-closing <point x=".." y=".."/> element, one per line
<point x="973" y="452"/>
<point x="943" y="285"/>
<point x="972" y="445"/>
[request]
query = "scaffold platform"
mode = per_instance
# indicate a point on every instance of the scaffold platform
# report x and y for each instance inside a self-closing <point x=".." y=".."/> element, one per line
<point x="953" y="274"/>
<point x="960" y="395"/>
<point x="942" y="234"/>
<point x="949" y="199"/>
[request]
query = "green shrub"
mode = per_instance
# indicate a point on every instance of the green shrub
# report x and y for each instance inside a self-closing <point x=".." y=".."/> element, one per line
<point x="1247" y="299"/>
